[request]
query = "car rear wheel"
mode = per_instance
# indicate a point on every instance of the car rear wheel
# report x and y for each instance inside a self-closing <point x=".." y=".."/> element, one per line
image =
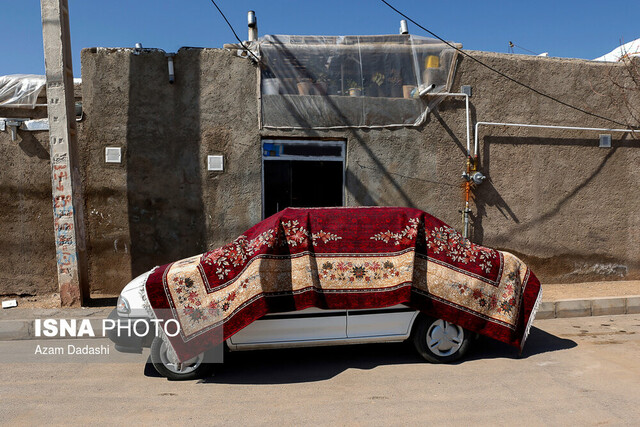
<point x="163" y="363"/>
<point x="439" y="341"/>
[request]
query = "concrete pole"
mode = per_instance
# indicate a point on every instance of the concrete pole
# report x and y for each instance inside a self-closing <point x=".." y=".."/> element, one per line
<point x="65" y="175"/>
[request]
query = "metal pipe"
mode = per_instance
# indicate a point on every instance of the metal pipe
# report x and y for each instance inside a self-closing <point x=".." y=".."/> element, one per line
<point x="252" y="23"/>
<point x="465" y="216"/>
<point x="476" y="143"/>
<point x="476" y="148"/>
<point x="404" y="29"/>
<point x="471" y="164"/>
<point x="172" y="76"/>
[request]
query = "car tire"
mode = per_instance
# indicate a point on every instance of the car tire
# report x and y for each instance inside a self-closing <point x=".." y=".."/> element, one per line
<point x="192" y="369"/>
<point x="439" y="341"/>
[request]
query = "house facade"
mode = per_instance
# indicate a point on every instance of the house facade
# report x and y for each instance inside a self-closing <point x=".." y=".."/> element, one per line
<point x="170" y="170"/>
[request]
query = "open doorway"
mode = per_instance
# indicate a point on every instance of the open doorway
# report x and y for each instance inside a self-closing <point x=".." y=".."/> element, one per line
<point x="301" y="173"/>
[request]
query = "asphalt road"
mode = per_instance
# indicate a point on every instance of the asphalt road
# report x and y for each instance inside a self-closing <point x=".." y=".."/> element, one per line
<point x="582" y="371"/>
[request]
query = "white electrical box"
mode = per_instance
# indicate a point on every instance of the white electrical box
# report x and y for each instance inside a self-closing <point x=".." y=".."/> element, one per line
<point x="605" y="141"/>
<point x="113" y="155"/>
<point x="215" y="163"/>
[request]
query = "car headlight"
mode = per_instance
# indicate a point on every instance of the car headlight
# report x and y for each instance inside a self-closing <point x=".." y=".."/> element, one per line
<point x="123" y="305"/>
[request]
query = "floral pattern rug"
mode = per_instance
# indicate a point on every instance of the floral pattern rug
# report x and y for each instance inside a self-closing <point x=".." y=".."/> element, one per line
<point x="344" y="258"/>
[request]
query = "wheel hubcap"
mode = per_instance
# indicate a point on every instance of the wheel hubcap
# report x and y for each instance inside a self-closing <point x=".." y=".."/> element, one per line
<point x="183" y="368"/>
<point x="444" y="338"/>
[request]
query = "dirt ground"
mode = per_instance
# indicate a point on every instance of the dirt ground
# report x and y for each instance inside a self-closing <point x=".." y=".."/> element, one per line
<point x="579" y="371"/>
<point x="36" y="301"/>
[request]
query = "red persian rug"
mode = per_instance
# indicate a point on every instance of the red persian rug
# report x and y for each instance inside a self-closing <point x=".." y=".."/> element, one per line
<point x="344" y="258"/>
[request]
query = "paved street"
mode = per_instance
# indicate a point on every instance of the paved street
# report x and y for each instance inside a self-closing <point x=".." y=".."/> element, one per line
<point x="582" y="371"/>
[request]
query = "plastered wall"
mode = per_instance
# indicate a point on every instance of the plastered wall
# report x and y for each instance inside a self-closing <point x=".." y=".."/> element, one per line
<point x="553" y="197"/>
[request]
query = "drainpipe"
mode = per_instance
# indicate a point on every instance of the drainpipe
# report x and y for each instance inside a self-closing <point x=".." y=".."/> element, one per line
<point x="172" y="76"/>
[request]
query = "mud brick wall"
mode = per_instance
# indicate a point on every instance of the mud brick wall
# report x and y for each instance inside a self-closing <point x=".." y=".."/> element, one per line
<point x="553" y="197"/>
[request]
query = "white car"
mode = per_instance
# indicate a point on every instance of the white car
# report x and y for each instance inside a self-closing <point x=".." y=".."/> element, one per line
<point x="436" y="340"/>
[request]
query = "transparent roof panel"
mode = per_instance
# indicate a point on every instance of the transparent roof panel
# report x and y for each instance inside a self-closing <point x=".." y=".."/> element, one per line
<point x="324" y="82"/>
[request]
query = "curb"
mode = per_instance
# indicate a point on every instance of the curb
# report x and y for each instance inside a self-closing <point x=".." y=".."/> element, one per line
<point x="603" y="306"/>
<point x="13" y="330"/>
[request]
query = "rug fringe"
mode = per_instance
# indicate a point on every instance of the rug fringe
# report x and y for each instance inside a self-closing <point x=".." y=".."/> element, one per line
<point x="145" y="299"/>
<point x="532" y="316"/>
<point x="152" y="315"/>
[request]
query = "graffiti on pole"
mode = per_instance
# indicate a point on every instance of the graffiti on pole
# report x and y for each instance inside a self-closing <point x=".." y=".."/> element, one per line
<point x="63" y="218"/>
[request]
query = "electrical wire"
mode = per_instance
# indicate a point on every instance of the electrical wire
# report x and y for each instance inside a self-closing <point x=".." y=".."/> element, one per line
<point x="234" y="32"/>
<point x="505" y="75"/>
<point x="512" y="45"/>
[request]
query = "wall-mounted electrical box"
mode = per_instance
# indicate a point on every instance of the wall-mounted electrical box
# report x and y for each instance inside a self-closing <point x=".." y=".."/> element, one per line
<point x="215" y="163"/>
<point x="113" y="155"/>
<point x="605" y="141"/>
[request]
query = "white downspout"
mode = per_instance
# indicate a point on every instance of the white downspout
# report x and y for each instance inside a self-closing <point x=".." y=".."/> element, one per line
<point x="465" y="174"/>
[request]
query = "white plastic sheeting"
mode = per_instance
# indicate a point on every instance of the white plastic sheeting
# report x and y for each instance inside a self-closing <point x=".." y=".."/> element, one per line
<point x="332" y="82"/>
<point x="20" y="90"/>
<point x="623" y="52"/>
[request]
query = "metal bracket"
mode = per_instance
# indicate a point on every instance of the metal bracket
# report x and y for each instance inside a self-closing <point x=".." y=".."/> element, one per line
<point x="13" y="125"/>
<point x="23" y="124"/>
<point x="36" y="124"/>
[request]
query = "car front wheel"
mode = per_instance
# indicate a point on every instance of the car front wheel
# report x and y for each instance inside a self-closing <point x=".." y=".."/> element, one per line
<point x="191" y="369"/>
<point x="439" y="341"/>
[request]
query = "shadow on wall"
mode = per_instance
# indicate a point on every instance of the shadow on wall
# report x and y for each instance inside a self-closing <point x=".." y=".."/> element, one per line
<point x="487" y="195"/>
<point x="459" y="104"/>
<point x="164" y="188"/>
<point x="32" y="147"/>
<point x="353" y="184"/>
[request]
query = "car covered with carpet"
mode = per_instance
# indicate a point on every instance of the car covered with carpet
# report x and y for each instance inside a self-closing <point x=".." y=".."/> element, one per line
<point x="329" y="276"/>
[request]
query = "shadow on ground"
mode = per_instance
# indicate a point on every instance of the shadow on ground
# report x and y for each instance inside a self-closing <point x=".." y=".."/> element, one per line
<point x="539" y="342"/>
<point x="101" y="302"/>
<point x="298" y="365"/>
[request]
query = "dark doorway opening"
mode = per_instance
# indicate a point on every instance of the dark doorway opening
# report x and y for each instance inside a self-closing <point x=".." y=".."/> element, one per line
<point x="302" y="174"/>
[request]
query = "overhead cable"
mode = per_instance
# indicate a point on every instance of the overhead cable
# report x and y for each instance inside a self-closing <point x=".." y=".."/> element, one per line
<point x="512" y="45"/>
<point x="234" y="32"/>
<point x="566" y="104"/>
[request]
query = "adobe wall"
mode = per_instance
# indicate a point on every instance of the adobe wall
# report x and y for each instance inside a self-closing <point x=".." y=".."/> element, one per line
<point x="553" y="197"/>
<point x="161" y="204"/>
<point x="27" y="244"/>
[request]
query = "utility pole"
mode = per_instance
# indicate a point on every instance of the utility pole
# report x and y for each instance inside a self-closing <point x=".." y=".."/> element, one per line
<point x="68" y="215"/>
